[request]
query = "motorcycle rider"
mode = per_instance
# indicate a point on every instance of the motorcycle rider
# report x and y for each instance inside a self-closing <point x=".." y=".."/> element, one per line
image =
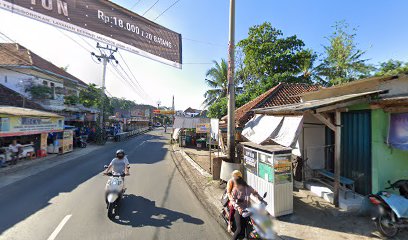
<point x="230" y="187"/>
<point x="241" y="199"/>
<point x="119" y="165"/>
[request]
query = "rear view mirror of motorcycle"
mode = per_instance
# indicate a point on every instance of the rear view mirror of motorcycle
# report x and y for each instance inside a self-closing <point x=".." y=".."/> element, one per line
<point x="264" y="196"/>
<point x="105" y="166"/>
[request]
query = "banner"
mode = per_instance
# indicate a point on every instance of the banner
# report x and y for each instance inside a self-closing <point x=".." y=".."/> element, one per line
<point x="398" y="131"/>
<point x="203" y="128"/>
<point x="105" y="22"/>
<point x="165" y="112"/>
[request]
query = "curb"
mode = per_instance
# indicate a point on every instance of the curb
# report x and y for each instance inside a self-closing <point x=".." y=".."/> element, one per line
<point x="198" y="192"/>
<point x="194" y="164"/>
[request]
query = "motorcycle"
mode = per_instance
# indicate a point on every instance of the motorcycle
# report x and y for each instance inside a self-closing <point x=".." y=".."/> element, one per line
<point x="114" y="191"/>
<point x="259" y="224"/>
<point x="81" y="141"/>
<point x="391" y="212"/>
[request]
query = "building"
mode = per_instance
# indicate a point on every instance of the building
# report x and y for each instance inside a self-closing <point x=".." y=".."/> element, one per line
<point x="191" y="112"/>
<point x="37" y="79"/>
<point x="349" y="131"/>
<point x="281" y="94"/>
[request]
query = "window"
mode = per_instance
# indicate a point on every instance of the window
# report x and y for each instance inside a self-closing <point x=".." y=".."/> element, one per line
<point x="4" y="124"/>
<point x="52" y="84"/>
<point x="45" y="83"/>
<point x="5" y="79"/>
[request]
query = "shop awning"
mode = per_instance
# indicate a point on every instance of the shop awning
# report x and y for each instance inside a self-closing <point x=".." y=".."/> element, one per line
<point x="16" y="111"/>
<point x="186" y="122"/>
<point x="299" y="108"/>
<point x="261" y="127"/>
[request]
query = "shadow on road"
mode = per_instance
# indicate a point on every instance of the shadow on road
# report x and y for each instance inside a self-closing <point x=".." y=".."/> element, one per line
<point x="137" y="211"/>
<point x="30" y="195"/>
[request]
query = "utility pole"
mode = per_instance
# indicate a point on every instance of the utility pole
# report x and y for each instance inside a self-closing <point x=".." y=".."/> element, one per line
<point x="105" y="56"/>
<point x="231" y="85"/>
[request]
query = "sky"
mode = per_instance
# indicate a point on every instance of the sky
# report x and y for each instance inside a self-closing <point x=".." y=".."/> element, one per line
<point x="204" y="27"/>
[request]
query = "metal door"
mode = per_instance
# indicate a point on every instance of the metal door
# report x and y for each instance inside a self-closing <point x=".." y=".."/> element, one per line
<point x="356" y="149"/>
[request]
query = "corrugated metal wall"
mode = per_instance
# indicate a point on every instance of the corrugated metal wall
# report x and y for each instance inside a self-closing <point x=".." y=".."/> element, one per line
<point x="356" y="149"/>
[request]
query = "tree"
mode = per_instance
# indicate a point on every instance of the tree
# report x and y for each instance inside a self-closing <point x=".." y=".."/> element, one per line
<point x="308" y="72"/>
<point x="343" y="61"/>
<point x="392" y="67"/>
<point x="216" y="79"/>
<point x="91" y="96"/>
<point x="218" y="109"/>
<point x="269" y="58"/>
<point x="40" y="92"/>
<point x="71" y="100"/>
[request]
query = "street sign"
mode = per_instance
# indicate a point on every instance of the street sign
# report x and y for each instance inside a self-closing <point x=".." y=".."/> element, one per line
<point x="164" y="112"/>
<point x="203" y="128"/>
<point x="105" y="22"/>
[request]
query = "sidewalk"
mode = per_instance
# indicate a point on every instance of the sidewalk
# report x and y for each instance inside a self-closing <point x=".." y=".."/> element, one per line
<point x="313" y="217"/>
<point x="26" y="168"/>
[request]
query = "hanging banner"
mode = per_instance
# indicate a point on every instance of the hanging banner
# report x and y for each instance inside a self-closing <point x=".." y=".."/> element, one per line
<point x="398" y="131"/>
<point x="105" y="22"/>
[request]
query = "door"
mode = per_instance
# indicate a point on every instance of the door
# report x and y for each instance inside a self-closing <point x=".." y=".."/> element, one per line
<point x="356" y="149"/>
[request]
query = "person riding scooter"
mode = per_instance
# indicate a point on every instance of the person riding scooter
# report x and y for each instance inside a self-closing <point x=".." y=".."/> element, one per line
<point x="119" y="165"/>
<point x="241" y="198"/>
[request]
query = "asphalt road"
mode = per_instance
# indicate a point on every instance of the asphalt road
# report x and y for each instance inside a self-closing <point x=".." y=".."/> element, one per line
<point x="66" y="201"/>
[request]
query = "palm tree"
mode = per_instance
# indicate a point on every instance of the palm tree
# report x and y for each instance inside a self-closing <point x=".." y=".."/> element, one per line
<point x="308" y="71"/>
<point x="218" y="82"/>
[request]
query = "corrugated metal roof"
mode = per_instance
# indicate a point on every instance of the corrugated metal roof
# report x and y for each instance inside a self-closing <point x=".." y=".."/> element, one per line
<point x="313" y="104"/>
<point x="16" y="111"/>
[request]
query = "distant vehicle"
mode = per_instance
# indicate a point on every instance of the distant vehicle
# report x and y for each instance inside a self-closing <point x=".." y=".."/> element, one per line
<point x="157" y="124"/>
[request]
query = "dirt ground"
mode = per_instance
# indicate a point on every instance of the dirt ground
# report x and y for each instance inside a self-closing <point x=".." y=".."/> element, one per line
<point x="313" y="217"/>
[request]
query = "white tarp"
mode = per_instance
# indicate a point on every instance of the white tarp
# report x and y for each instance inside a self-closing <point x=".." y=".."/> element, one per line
<point x="214" y="128"/>
<point x="186" y="122"/>
<point x="261" y="127"/>
<point x="289" y="131"/>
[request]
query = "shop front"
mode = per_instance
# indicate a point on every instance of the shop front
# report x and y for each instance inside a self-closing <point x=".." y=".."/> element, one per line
<point x="31" y="128"/>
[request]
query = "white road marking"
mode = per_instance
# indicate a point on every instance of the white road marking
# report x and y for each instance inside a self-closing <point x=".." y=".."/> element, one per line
<point x="59" y="227"/>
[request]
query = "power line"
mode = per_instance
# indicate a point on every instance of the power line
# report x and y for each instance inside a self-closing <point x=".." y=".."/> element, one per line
<point x="135" y="4"/>
<point x="150" y="8"/>
<point x="166" y="9"/>
<point x="131" y="72"/>
<point x="203" y="42"/>
<point x="126" y="81"/>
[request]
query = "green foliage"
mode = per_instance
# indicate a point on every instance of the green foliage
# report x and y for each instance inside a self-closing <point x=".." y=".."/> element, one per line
<point x="91" y="96"/>
<point x="216" y="79"/>
<point x="121" y="103"/>
<point x="40" y="92"/>
<point x="270" y="58"/>
<point x="343" y="61"/>
<point x="218" y="109"/>
<point x="392" y="67"/>
<point x="71" y="100"/>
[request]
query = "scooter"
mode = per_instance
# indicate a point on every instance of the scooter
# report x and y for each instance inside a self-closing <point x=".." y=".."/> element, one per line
<point x="259" y="224"/>
<point x="391" y="212"/>
<point x="114" y="191"/>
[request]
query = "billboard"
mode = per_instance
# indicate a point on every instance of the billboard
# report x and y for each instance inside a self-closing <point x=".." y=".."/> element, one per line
<point x="105" y="22"/>
<point x="202" y="128"/>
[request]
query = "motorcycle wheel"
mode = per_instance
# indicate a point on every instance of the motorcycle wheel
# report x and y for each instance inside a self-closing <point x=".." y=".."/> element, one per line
<point x="110" y="210"/>
<point x="384" y="228"/>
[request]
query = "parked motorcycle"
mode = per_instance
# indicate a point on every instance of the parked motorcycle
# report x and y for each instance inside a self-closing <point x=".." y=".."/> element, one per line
<point x="81" y="141"/>
<point x="391" y="212"/>
<point x="259" y="224"/>
<point x="113" y="193"/>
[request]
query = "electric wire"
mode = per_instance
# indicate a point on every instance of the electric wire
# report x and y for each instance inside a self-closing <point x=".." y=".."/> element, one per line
<point x="135" y="4"/>
<point x="133" y="75"/>
<point x="166" y="9"/>
<point x="150" y="8"/>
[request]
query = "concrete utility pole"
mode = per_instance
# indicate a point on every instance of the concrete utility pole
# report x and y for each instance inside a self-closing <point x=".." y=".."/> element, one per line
<point x="105" y="56"/>
<point x="231" y="85"/>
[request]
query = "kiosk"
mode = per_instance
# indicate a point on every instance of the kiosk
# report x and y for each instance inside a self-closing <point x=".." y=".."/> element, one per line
<point x="268" y="168"/>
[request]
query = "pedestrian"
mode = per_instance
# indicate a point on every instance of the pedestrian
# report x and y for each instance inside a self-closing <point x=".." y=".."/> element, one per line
<point x="15" y="149"/>
<point x="3" y="160"/>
